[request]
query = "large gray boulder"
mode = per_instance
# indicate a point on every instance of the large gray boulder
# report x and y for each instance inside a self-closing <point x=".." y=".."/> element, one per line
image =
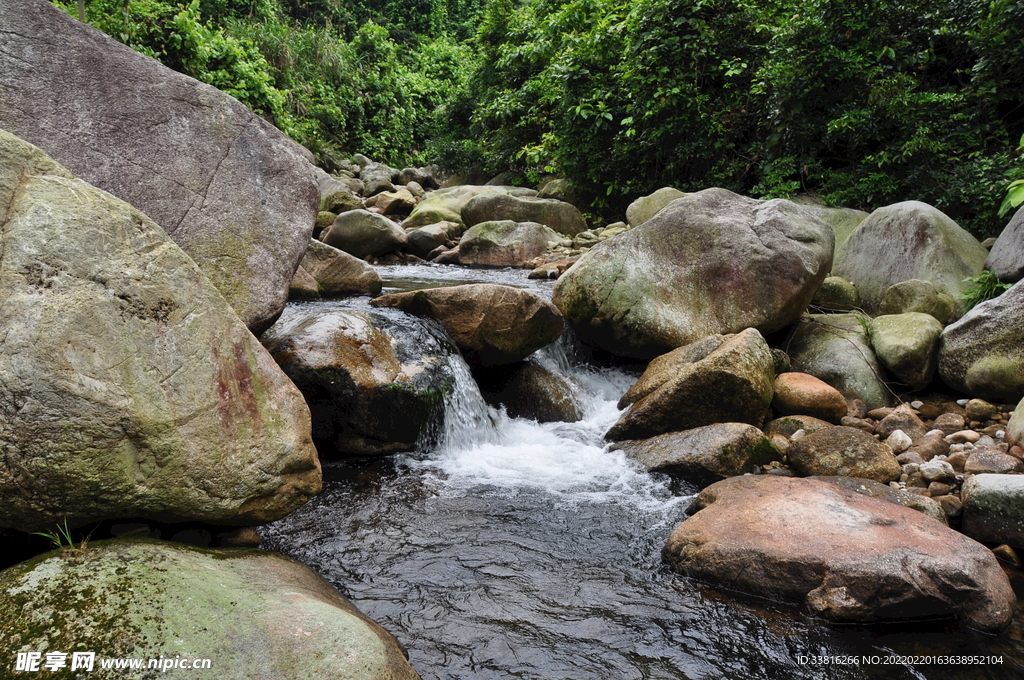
<point x="703" y="455"/>
<point x="493" y="325"/>
<point x="982" y="354"/>
<point x="994" y="509"/>
<point x="234" y="192"/>
<point x="377" y="177"/>
<point x="835" y="348"/>
<point x="716" y="380"/>
<point x="711" y="262"/>
<point x="562" y="217"/>
<point x="646" y="207"/>
<point x="1006" y="258"/>
<point x="445" y="205"/>
<point x="362" y="234"/>
<point x="374" y="382"/>
<point x="338" y="273"/>
<point x="909" y="240"/>
<point x="506" y="243"/>
<point x="128" y="385"/>
<point x="907" y="345"/>
<point x="155" y="599"/>
<point x="846" y="556"/>
<point x="842" y="220"/>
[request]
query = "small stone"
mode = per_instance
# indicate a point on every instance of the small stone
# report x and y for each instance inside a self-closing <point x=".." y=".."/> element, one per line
<point x="919" y="490"/>
<point x="898" y="441"/>
<point x="951" y="505"/>
<point x="856" y="408"/>
<point x="979" y="409"/>
<point x="950" y="423"/>
<point x="930" y="446"/>
<point x="1000" y="434"/>
<point x="937" y="471"/>
<point x="1007" y="554"/>
<point x="985" y="441"/>
<point x="799" y="434"/>
<point x="992" y="461"/>
<point x="908" y="457"/>
<point x="859" y="423"/>
<point x="929" y="433"/>
<point x="880" y="413"/>
<point x="958" y="461"/>
<point x="939" y="489"/>
<point x="1016" y="452"/>
<point x="962" y="402"/>
<point x="780" y="443"/>
<point x="916" y="404"/>
<point x="929" y="411"/>
<point x="895" y="485"/>
<point x="963" y="436"/>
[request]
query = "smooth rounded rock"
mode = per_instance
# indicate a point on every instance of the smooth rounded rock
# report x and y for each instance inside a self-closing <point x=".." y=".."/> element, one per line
<point x="907" y="345"/>
<point x="492" y="325"/>
<point x="563" y="218"/>
<point x="908" y="240"/>
<point x="338" y="273"/>
<point x="834" y="550"/>
<point x="671" y="281"/>
<point x="229" y="188"/>
<point x="363" y="234"/>
<point x="646" y="207"/>
<point x="253" y="614"/>
<point x="1006" y="258"/>
<point x="993" y="509"/>
<point x="507" y="243"/>
<point x="918" y="296"/>
<point x="803" y="394"/>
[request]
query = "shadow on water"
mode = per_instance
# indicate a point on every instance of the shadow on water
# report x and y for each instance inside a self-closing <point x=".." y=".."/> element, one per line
<point x="524" y="550"/>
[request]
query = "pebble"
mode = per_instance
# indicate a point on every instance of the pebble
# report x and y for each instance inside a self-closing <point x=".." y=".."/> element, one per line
<point x="916" y="405"/>
<point x="1000" y="434"/>
<point x="937" y="471"/>
<point x="799" y="434"/>
<point x="957" y="460"/>
<point x="1007" y="554"/>
<point x="909" y="457"/>
<point x="980" y="410"/>
<point x="962" y="402"/>
<point x="899" y="441"/>
<point x="911" y="468"/>
<point x="929" y="433"/>
<point x="939" y="489"/>
<point x="963" y="436"/>
<point x="951" y="505"/>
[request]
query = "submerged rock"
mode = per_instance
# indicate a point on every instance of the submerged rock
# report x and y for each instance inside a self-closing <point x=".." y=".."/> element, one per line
<point x="711" y="262"/>
<point x="846" y="556"/>
<point x="374" y="383"/>
<point x="717" y="380"/>
<point x="492" y="325"/>
<point x="128" y="385"/>
<point x="232" y="190"/>
<point x="253" y="614"/>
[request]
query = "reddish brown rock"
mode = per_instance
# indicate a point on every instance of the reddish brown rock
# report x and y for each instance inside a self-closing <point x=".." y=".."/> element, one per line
<point x="492" y="325"/>
<point x="950" y="423"/>
<point x="803" y="394"/>
<point x="844" y="451"/>
<point x="848" y="557"/>
<point x="902" y="418"/>
<point x="787" y="425"/>
<point x="987" y="460"/>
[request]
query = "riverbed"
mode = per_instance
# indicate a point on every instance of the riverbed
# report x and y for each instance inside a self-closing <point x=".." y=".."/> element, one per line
<point x="513" y="549"/>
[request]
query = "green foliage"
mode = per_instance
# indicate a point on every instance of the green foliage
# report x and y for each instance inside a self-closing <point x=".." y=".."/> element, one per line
<point x="984" y="286"/>
<point x="290" y="61"/>
<point x="865" y="102"/>
<point x="61" y="537"/>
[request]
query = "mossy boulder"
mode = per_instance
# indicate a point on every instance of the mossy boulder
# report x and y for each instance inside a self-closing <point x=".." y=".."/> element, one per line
<point x="915" y="295"/>
<point x="506" y="243"/>
<point x="646" y="207"/>
<point x="842" y="220"/>
<point x="836" y="294"/>
<point x="844" y="451"/>
<point x="128" y="386"/>
<point x="908" y="240"/>
<point x="445" y="205"/>
<point x="982" y="354"/>
<point x="711" y="262"/>
<point x="230" y="189"/>
<point x="907" y="344"/>
<point x="253" y="614"/>
<point x="564" y="218"/>
<point x="994" y="509"/>
<point x="835" y="348"/>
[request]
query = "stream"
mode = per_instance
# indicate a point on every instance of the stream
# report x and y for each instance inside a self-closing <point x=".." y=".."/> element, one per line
<point x="514" y="549"/>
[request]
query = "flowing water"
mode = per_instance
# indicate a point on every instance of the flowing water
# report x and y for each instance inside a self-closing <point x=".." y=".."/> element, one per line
<point x="514" y="549"/>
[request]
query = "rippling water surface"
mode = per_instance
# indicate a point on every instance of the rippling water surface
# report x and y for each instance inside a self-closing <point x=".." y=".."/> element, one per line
<point x="522" y="550"/>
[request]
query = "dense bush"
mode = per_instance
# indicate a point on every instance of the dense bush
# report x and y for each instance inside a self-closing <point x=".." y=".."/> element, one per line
<point x="335" y="94"/>
<point x="863" y="101"/>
